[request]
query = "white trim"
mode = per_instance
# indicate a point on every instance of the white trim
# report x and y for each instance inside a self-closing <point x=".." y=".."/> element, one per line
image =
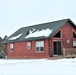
<point x="42" y="45"/>
<point x="74" y="43"/>
<point x="11" y="47"/>
<point x="28" y="45"/>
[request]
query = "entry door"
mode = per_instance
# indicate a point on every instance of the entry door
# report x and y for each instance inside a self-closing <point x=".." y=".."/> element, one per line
<point x="57" y="48"/>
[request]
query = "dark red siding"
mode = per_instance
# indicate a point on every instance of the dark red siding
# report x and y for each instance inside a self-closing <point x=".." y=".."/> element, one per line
<point x="67" y="34"/>
<point x="21" y="51"/>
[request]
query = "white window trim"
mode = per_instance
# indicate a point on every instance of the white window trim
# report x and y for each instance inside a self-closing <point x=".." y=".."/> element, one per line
<point x="11" y="47"/>
<point x="29" y="44"/>
<point x="39" y="47"/>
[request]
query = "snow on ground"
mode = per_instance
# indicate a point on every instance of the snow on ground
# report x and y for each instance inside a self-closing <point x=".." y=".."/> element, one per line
<point x="43" y="32"/>
<point x="37" y="67"/>
<point x="15" y="37"/>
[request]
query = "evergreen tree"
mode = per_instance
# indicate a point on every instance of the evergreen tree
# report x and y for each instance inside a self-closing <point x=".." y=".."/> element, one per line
<point x="2" y="47"/>
<point x="5" y="37"/>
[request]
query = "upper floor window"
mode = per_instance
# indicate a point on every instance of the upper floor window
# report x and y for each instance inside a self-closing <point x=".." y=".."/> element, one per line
<point x="28" y="45"/>
<point x="74" y="35"/>
<point x="11" y="47"/>
<point x="40" y="46"/>
<point x="57" y="35"/>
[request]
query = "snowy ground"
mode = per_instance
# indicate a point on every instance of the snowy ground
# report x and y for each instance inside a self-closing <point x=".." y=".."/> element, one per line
<point x="37" y="67"/>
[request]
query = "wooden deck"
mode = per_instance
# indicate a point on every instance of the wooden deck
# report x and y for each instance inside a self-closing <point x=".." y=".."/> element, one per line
<point x="61" y="57"/>
<point x="55" y="57"/>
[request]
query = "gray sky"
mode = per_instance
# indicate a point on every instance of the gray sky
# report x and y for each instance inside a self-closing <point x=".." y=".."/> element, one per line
<point x="15" y="14"/>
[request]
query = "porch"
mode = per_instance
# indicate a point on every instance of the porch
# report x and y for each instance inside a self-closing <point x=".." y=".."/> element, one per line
<point x="67" y="53"/>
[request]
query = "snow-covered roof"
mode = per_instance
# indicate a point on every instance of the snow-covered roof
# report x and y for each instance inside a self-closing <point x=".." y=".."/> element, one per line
<point x="37" y="32"/>
<point x="15" y="37"/>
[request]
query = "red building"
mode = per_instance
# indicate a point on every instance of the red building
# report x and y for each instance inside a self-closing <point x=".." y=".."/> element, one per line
<point x="42" y="40"/>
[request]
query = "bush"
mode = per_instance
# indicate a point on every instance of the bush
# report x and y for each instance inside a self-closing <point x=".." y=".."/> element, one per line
<point x="2" y="56"/>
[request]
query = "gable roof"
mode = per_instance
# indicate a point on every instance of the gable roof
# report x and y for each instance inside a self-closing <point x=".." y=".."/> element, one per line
<point x="33" y="32"/>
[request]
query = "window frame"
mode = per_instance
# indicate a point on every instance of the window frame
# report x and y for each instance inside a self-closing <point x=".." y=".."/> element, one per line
<point x="11" y="47"/>
<point x="56" y="33"/>
<point x="40" y="46"/>
<point x="74" y="33"/>
<point x="74" y="43"/>
<point x="28" y="45"/>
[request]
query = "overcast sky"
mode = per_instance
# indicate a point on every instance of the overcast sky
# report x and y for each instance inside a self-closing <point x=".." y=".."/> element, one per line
<point x="15" y="14"/>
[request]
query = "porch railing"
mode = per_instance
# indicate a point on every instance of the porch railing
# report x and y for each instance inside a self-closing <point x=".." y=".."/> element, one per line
<point x="69" y="52"/>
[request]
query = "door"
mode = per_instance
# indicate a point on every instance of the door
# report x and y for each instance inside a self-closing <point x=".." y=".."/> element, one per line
<point x="57" y="48"/>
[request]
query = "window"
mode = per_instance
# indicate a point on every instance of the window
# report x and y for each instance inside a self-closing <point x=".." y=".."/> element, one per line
<point x="28" y="45"/>
<point x="58" y="35"/>
<point x="40" y="46"/>
<point x="11" y="48"/>
<point x="74" y="44"/>
<point x="74" y="35"/>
